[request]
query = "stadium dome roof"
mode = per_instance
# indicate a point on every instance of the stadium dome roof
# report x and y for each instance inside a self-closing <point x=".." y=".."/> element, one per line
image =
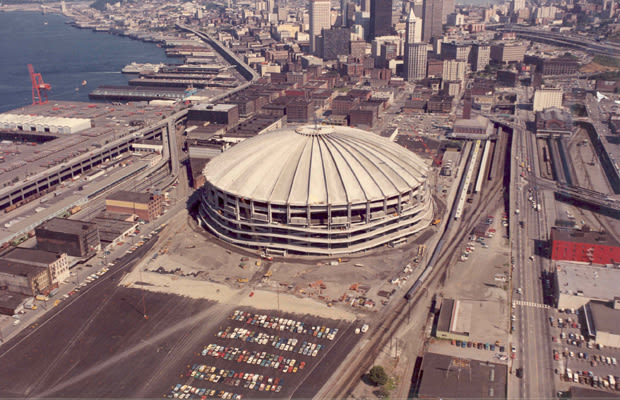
<point x="310" y="165"/>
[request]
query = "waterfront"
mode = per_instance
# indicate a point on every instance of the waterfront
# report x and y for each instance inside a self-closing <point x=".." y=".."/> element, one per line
<point x="65" y="56"/>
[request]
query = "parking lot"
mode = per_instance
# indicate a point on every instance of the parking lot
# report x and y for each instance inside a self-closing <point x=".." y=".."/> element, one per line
<point x="257" y="354"/>
<point x="579" y="360"/>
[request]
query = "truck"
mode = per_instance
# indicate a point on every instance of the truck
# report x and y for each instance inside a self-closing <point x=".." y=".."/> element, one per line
<point x="75" y="209"/>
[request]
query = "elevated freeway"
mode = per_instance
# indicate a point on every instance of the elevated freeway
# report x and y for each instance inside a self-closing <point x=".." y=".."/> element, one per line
<point x="579" y="195"/>
<point x="563" y="39"/>
<point x="245" y="70"/>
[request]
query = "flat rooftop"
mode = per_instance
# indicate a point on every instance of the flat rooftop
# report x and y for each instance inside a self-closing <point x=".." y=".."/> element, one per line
<point x="450" y="377"/>
<point x="63" y="225"/>
<point x="17" y="268"/>
<point x="579" y="236"/>
<point x="605" y="317"/>
<point x="28" y="155"/>
<point x="133" y="197"/>
<point x="27" y="255"/>
<point x="214" y="107"/>
<point x="588" y="281"/>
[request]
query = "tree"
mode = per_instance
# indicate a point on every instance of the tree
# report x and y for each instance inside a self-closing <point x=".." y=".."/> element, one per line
<point x="378" y="375"/>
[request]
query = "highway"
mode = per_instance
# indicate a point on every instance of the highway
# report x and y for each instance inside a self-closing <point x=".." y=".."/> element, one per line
<point x="564" y="39"/>
<point x="531" y="330"/>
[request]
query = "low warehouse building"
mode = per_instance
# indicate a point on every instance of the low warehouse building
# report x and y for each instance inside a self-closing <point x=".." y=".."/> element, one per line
<point x="57" y="263"/>
<point x="603" y="322"/>
<point x="583" y="246"/>
<point x="25" y="279"/>
<point x="76" y="238"/>
<point x="578" y="284"/>
<point x="146" y="206"/>
<point x="454" y="320"/>
<point x="444" y="376"/>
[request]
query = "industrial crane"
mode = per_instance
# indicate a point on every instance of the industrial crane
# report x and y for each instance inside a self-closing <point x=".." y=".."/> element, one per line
<point x="39" y="88"/>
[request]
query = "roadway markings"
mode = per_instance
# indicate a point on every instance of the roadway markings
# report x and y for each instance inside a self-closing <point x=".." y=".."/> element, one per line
<point x="531" y="304"/>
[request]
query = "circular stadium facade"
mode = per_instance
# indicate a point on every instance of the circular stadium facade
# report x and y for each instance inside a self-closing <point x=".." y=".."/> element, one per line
<point x="316" y="191"/>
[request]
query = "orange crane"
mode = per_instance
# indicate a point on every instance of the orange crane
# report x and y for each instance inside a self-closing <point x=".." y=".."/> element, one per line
<point x="39" y="88"/>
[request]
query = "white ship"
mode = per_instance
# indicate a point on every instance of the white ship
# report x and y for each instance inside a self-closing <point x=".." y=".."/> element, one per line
<point x="136" y="68"/>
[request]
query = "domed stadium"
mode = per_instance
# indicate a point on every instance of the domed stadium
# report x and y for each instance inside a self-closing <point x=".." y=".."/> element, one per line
<point x="315" y="190"/>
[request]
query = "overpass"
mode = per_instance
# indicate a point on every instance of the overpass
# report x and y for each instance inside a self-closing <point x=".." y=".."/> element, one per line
<point x="46" y="181"/>
<point x="581" y="196"/>
<point x="563" y="39"/>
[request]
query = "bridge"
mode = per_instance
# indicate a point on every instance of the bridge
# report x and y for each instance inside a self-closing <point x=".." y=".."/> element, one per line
<point x="579" y="195"/>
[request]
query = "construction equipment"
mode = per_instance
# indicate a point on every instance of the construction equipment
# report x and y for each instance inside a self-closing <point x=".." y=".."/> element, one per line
<point x="39" y="87"/>
<point x="436" y="221"/>
<point x="421" y="139"/>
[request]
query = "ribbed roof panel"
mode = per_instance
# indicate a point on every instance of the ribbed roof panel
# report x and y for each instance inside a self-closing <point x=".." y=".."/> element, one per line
<point x="316" y="166"/>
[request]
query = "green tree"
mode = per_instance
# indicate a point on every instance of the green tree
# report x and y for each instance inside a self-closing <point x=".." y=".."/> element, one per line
<point x="378" y="375"/>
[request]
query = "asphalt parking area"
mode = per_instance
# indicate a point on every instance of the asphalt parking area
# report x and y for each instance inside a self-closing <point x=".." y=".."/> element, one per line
<point x="265" y="354"/>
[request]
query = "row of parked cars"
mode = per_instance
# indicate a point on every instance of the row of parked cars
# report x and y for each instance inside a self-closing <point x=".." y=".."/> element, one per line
<point x="248" y="380"/>
<point x="280" y="343"/>
<point x="588" y="378"/>
<point x="284" y="324"/>
<point x="263" y="359"/>
<point x="191" y="392"/>
<point x="478" y="345"/>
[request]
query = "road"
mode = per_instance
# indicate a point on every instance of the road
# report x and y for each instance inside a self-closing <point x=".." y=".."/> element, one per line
<point x="531" y="330"/>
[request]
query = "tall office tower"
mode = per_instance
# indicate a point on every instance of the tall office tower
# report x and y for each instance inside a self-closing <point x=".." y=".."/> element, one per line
<point x="380" y="18"/>
<point x="415" y="61"/>
<point x="415" y="55"/>
<point x="479" y="56"/>
<point x="365" y="4"/>
<point x="319" y="19"/>
<point x="517" y="5"/>
<point x="448" y="8"/>
<point x="431" y="19"/>
<point x="343" y="12"/>
<point x="413" y="30"/>
<point x="418" y="7"/>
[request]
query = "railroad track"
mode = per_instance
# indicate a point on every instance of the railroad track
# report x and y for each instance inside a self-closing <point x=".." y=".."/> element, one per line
<point x="395" y="317"/>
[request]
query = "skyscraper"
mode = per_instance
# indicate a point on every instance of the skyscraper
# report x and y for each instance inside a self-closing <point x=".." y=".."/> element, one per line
<point x="319" y="20"/>
<point x="413" y="30"/>
<point x="517" y="5"/>
<point x="447" y="8"/>
<point x="415" y="51"/>
<point x="380" y="18"/>
<point x="431" y="20"/>
<point x="415" y="61"/>
<point x="343" y="12"/>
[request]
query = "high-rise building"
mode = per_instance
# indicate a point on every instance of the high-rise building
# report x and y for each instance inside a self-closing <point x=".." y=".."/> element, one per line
<point x="455" y="51"/>
<point x="413" y="30"/>
<point x="516" y="5"/>
<point x="380" y="18"/>
<point x="365" y="4"/>
<point x="343" y="12"/>
<point x="454" y="70"/>
<point x="431" y="19"/>
<point x="319" y="20"/>
<point x="336" y="42"/>
<point x="447" y="8"/>
<point x="479" y="56"/>
<point x="415" y="61"/>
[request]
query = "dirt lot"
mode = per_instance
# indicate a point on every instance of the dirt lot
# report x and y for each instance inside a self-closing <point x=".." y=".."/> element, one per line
<point x="473" y="281"/>
<point x="357" y="285"/>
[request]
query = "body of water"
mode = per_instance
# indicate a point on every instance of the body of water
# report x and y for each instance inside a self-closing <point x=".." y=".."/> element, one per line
<point x="65" y="56"/>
